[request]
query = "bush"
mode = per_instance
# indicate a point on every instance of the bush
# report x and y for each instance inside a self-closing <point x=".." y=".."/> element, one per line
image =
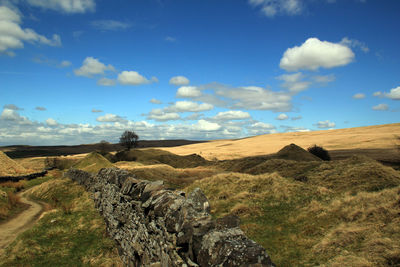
<point x="320" y="152"/>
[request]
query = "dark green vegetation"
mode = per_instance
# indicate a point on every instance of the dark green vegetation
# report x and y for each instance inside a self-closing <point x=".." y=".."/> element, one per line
<point x="320" y="152"/>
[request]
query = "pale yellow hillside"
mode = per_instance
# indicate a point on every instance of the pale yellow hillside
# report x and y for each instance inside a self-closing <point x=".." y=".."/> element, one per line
<point x="370" y="137"/>
<point x="8" y="167"/>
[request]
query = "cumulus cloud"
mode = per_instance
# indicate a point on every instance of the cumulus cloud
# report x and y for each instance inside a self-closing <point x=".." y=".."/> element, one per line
<point x="325" y="124"/>
<point x="91" y="67"/>
<point x="188" y="106"/>
<point x="110" y="25"/>
<point x="323" y="78"/>
<point x="294" y="83"/>
<point x="355" y="43"/>
<point x="40" y="108"/>
<point x="109" y="118"/>
<point x="51" y="122"/>
<point x="232" y="115"/>
<point x="161" y="115"/>
<point x="12" y="107"/>
<point x="52" y="62"/>
<point x="378" y="94"/>
<point x="12" y="36"/>
<point x="133" y="78"/>
<point x="106" y="82"/>
<point x="381" y="107"/>
<point x="394" y="93"/>
<point x="258" y="128"/>
<point x="203" y="125"/>
<point x="188" y="91"/>
<point x="294" y="129"/>
<point x="155" y="101"/>
<point x="179" y="80"/>
<point x="65" y="6"/>
<point x="282" y="117"/>
<point x="296" y="118"/>
<point x="314" y="54"/>
<point x="359" y="96"/>
<point x="270" y="8"/>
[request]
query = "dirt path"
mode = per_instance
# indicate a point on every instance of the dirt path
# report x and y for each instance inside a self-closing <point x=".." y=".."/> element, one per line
<point x="11" y="229"/>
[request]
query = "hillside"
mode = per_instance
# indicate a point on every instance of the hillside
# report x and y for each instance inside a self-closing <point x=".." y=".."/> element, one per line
<point x="8" y="167"/>
<point x="378" y="142"/>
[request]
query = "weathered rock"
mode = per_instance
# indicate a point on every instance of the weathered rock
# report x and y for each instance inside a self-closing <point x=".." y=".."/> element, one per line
<point x="155" y="226"/>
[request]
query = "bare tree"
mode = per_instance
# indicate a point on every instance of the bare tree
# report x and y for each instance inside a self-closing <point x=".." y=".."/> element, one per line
<point x="104" y="146"/>
<point x="129" y="139"/>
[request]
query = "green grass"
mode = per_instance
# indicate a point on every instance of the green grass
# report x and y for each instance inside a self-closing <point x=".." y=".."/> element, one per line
<point x="72" y="233"/>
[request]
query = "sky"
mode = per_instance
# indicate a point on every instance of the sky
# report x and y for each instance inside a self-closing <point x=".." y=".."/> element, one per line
<point x="81" y="71"/>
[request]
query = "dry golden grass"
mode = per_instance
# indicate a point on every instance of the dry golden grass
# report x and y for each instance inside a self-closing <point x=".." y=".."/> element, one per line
<point x="375" y="137"/>
<point x="9" y="167"/>
<point x="93" y="162"/>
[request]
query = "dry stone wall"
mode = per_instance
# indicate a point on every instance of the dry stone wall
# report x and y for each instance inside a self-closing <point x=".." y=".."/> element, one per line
<point x="156" y="226"/>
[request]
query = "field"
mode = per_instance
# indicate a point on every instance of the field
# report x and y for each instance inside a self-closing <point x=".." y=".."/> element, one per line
<point x="304" y="211"/>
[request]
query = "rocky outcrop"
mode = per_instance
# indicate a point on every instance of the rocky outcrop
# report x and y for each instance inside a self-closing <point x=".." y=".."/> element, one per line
<point x="155" y="226"/>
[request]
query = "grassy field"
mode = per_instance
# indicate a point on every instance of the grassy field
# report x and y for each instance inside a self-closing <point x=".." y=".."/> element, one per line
<point x="302" y="210"/>
<point x="69" y="233"/>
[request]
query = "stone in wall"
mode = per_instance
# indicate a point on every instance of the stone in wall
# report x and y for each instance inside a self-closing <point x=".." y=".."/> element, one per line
<point x="155" y="226"/>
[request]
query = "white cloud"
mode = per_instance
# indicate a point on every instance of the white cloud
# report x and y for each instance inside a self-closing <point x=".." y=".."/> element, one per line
<point x="261" y="128"/>
<point x="203" y="125"/>
<point x="295" y="129"/>
<point x="188" y="91"/>
<point x="270" y="8"/>
<point x="324" y="78"/>
<point x="394" y="93"/>
<point x="282" y="117"/>
<point x="109" y="118"/>
<point x="294" y="83"/>
<point x="161" y="115"/>
<point x="378" y="94"/>
<point x="12" y="106"/>
<point x="179" y="80"/>
<point x="189" y="106"/>
<point x="110" y="25"/>
<point x="359" y="96"/>
<point x="12" y="36"/>
<point x="155" y="101"/>
<point x="314" y="54"/>
<point x="325" y="124"/>
<point x="296" y="118"/>
<point x="132" y="78"/>
<point x="355" y="43"/>
<point x="65" y="6"/>
<point x="10" y="115"/>
<point x="92" y="66"/>
<point x="232" y="115"/>
<point x="381" y="107"/>
<point x="255" y="98"/>
<point x="65" y="63"/>
<point x="51" y="122"/>
<point x="106" y="82"/>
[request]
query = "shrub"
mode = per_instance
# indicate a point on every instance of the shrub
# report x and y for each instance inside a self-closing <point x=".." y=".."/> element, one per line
<point x="320" y="152"/>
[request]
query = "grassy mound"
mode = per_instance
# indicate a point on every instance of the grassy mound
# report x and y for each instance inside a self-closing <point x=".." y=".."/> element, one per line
<point x="291" y="156"/>
<point x="9" y="167"/>
<point x="93" y="162"/>
<point x="294" y="152"/>
<point x="157" y="156"/>
<point x="355" y="174"/>
<point x="303" y="224"/>
<point x="173" y="177"/>
<point x="71" y="233"/>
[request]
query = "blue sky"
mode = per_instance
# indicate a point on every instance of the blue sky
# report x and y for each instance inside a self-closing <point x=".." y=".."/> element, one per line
<point x="81" y="71"/>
